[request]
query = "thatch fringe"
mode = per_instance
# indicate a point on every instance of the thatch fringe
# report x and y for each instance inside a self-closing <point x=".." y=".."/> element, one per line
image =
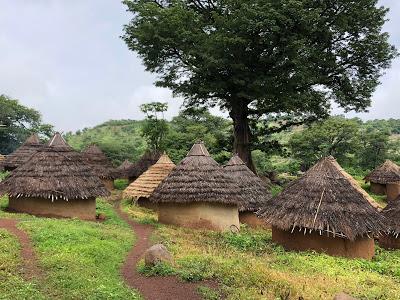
<point x="148" y="159"/>
<point x="149" y="180"/>
<point x="100" y="163"/>
<point x="325" y="199"/>
<point x="23" y="153"/>
<point x="197" y="178"/>
<point x="392" y="215"/>
<point x="253" y="190"/>
<point x="54" y="172"/>
<point x="388" y="172"/>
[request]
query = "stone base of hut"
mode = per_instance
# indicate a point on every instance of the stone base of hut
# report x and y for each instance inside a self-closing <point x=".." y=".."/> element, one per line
<point x="389" y="241"/>
<point x="200" y="215"/>
<point x="84" y="209"/>
<point x="335" y="246"/>
<point x="145" y="202"/>
<point x="108" y="183"/>
<point x="249" y="218"/>
<point x="392" y="191"/>
<point x="377" y="188"/>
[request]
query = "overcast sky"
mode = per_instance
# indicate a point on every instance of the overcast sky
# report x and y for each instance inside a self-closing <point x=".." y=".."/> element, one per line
<point x="65" y="58"/>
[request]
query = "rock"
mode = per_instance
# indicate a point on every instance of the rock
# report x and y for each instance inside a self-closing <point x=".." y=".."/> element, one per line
<point x="343" y="296"/>
<point x="156" y="254"/>
<point x="101" y="217"/>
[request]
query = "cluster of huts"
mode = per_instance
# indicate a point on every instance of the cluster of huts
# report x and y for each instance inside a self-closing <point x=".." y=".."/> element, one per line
<point x="325" y="210"/>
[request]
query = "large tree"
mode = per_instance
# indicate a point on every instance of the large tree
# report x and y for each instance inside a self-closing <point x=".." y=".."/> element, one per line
<point x="259" y="59"/>
<point x="17" y="122"/>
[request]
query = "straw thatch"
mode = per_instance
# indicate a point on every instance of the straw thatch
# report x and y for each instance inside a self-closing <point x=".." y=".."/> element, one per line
<point x="54" y="172"/>
<point x="386" y="173"/>
<point x="253" y="190"/>
<point x="123" y="169"/>
<point x="143" y="164"/>
<point x="197" y="178"/>
<point x="325" y="199"/>
<point x="149" y="180"/>
<point x="23" y="153"/>
<point x="100" y="163"/>
<point x="392" y="214"/>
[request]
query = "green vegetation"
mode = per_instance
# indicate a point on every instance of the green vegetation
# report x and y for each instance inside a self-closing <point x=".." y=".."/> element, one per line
<point x="80" y="260"/>
<point x="249" y="266"/>
<point x="121" y="184"/>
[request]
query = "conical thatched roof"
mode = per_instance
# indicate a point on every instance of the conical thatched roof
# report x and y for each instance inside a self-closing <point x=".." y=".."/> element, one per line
<point x="146" y="161"/>
<point x="197" y="178"/>
<point x="253" y="190"/>
<point x="149" y="180"/>
<point x="99" y="161"/>
<point x="388" y="172"/>
<point x="23" y="153"/>
<point x="122" y="170"/>
<point x="392" y="214"/>
<point x="2" y="158"/>
<point x="326" y="199"/>
<point x="56" y="172"/>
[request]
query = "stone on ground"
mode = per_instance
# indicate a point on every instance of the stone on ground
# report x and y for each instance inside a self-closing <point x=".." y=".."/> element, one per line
<point x="156" y="254"/>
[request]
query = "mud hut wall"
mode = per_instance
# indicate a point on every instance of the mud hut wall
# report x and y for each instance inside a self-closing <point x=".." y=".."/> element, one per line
<point x="84" y="209"/>
<point x="108" y="183"/>
<point x="335" y="246"/>
<point x="378" y="188"/>
<point x="392" y="191"/>
<point x="389" y="241"/>
<point x="250" y="218"/>
<point x="214" y="216"/>
<point x="144" y="202"/>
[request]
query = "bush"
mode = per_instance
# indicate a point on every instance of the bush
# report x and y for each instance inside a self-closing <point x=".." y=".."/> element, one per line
<point x="121" y="184"/>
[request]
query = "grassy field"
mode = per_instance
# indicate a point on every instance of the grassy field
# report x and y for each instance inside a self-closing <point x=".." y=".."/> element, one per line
<point x="81" y="260"/>
<point x="249" y="266"/>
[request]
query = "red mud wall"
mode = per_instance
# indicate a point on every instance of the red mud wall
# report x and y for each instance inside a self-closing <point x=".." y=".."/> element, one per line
<point x="250" y="218"/>
<point x="389" y="242"/>
<point x="378" y="189"/>
<point x="392" y="191"/>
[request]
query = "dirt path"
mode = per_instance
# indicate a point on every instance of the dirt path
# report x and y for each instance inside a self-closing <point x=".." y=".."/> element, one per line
<point x="29" y="267"/>
<point x="153" y="288"/>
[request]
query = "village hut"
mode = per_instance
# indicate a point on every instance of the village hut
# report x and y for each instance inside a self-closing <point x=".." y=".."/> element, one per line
<point x="253" y="191"/>
<point x="198" y="194"/>
<point x="141" y="189"/>
<point x="2" y="158"/>
<point x="123" y="169"/>
<point x="148" y="159"/>
<point x="326" y="211"/>
<point x="385" y="179"/>
<point x="391" y="238"/>
<point x="101" y="165"/>
<point x="55" y="182"/>
<point x="22" y="154"/>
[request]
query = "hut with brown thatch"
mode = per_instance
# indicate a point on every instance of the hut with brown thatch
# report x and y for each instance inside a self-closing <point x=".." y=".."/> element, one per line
<point x="385" y="179"/>
<point x="22" y="154"/>
<point x="327" y="211"/>
<point x="122" y="171"/>
<point x="56" y="181"/>
<point x="253" y="191"/>
<point x="148" y="159"/>
<point x="2" y="158"/>
<point x="391" y="238"/>
<point x="141" y="189"/>
<point x="198" y="194"/>
<point x="101" y="165"/>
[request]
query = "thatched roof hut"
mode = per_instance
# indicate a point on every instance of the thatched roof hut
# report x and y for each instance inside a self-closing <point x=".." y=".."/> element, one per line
<point x="144" y="186"/>
<point x="23" y="153"/>
<point x="55" y="181"/>
<point x="148" y="159"/>
<point x="325" y="201"/>
<point x="2" y="158"/>
<point x="198" y="193"/>
<point x="391" y="240"/>
<point x="388" y="172"/>
<point x="123" y="169"/>
<point x="100" y="163"/>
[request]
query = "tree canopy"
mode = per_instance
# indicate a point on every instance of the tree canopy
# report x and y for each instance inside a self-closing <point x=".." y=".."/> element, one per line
<point x="259" y="59"/>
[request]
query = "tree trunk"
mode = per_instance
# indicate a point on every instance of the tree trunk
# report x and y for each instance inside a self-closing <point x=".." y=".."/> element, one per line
<point x="242" y="135"/>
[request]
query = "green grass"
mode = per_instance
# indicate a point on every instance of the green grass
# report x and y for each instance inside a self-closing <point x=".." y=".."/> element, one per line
<point x="80" y="259"/>
<point x="121" y="184"/>
<point x="249" y="266"/>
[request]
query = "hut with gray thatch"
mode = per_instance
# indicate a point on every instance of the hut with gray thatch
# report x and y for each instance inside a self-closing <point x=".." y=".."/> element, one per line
<point x="327" y="211"/>
<point x="141" y="189"/>
<point x="391" y="238"/>
<point x="253" y="191"/>
<point x="385" y="179"/>
<point x="56" y="181"/>
<point x="197" y="193"/>
<point x="22" y="154"/>
<point x="148" y="159"/>
<point x="122" y="171"/>
<point x="101" y="165"/>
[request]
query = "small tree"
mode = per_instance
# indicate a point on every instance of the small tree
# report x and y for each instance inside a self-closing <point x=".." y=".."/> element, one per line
<point x="155" y="127"/>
